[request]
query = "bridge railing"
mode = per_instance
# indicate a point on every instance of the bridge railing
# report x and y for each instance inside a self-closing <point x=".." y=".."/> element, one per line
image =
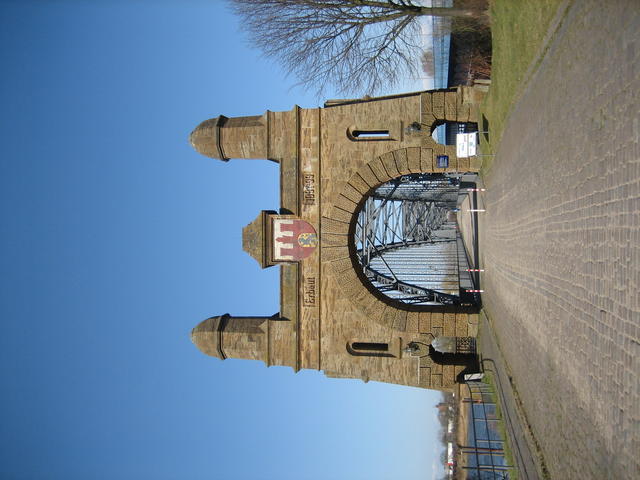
<point x="483" y="456"/>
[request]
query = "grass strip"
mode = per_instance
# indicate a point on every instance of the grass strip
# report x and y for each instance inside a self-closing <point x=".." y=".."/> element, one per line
<point x="518" y="29"/>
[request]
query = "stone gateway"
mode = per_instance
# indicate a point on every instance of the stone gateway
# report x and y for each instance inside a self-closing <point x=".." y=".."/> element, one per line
<point x="351" y="303"/>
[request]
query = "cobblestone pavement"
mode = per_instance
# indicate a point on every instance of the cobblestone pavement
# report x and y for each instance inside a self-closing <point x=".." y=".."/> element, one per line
<point x="560" y="243"/>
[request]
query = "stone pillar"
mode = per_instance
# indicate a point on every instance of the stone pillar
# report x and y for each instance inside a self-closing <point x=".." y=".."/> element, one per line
<point x="232" y="337"/>
<point x="270" y="339"/>
<point x="238" y="137"/>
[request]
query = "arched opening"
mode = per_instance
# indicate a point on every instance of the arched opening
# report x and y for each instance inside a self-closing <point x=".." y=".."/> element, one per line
<point x="444" y="132"/>
<point x="408" y="244"/>
<point x="460" y="351"/>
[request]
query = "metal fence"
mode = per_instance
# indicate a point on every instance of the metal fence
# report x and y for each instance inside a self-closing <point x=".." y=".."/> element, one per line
<point x="483" y="455"/>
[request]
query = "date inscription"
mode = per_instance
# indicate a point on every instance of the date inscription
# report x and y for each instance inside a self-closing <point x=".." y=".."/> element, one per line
<point x="309" y="189"/>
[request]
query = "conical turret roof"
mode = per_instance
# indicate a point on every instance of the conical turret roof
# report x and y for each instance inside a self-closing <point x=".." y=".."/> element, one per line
<point x="207" y="336"/>
<point x="205" y="138"/>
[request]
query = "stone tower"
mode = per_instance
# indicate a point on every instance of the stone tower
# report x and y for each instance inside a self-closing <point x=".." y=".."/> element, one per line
<point x="334" y="314"/>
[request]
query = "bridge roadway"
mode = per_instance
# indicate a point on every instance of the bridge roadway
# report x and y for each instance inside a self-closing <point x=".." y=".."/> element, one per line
<point x="560" y="242"/>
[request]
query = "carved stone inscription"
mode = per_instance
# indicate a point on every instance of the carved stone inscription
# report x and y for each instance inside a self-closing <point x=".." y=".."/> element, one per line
<point x="309" y="189"/>
<point x="309" y="293"/>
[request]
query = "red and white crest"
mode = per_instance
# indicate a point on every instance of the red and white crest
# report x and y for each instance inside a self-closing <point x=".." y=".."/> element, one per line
<point x="293" y="239"/>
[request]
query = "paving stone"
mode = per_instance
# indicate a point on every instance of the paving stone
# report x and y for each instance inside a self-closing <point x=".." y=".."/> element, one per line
<point x="561" y="245"/>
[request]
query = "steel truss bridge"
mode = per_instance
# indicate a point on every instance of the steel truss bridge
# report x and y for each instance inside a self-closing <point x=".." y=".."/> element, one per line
<point x="409" y="245"/>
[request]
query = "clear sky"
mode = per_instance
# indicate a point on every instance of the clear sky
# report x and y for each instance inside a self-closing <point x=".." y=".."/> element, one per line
<point x="118" y="238"/>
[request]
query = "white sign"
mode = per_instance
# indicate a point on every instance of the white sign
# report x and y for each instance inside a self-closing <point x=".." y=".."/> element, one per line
<point x="466" y="144"/>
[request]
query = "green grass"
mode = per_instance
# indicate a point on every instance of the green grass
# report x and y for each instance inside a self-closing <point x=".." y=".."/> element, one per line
<point x="518" y="28"/>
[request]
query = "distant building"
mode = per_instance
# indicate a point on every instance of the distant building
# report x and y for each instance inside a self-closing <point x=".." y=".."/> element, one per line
<point x="373" y="261"/>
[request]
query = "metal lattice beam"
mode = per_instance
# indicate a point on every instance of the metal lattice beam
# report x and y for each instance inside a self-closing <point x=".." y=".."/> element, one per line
<point x="406" y="245"/>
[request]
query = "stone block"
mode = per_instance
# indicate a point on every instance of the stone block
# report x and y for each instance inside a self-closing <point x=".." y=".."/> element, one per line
<point x="352" y="193"/>
<point x="377" y="312"/>
<point x="330" y="254"/>
<point x="449" y="324"/>
<point x="340" y="265"/>
<point x="341" y="215"/>
<point x="425" y="362"/>
<point x="400" y="320"/>
<point x="345" y="204"/>
<point x="368" y="176"/>
<point x="462" y="321"/>
<point x="333" y="240"/>
<point x="425" y="103"/>
<point x="350" y="284"/>
<point x="366" y="302"/>
<point x="330" y="225"/>
<point x="463" y="113"/>
<point x="389" y="162"/>
<point x="413" y="159"/>
<point x="427" y="120"/>
<point x="450" y="110"/>
<point x="379" y="171"/>
<point x="437" y="99"/>
<point x="425" y="377"/>
<point x="413" y="322"/>
<point x="427" y="338"/>
<point x="463" y="164"/>
<point x="402" y="164"/>
<point x="426" y="160"/>
<point x="358" y="184"/>
<point x="424" y="322"/>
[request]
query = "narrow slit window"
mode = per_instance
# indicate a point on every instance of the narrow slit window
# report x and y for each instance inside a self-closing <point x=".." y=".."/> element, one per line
<point x="370" y="347"/>
<point x="370" y="134"/>
<point x="363" y="134"/>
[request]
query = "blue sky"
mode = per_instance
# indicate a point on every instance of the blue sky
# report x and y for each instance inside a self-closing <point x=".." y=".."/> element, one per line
<point x="117" y="238"/>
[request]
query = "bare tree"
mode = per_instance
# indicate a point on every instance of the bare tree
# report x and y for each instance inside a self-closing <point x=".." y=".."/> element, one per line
<point x="358" y="46"/>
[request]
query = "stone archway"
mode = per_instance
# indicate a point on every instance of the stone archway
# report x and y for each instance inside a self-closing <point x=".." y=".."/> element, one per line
<point x="338" y="226"/>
